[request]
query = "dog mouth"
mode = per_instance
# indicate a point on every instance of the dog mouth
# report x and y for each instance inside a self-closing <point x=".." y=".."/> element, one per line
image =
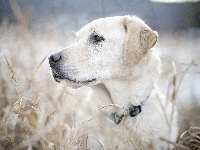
<point x="58" y="78"/>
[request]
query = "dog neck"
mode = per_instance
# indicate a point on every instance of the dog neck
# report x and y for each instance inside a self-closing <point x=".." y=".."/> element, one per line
<point x="139" y="85"/>
<point x="132" y="92"/>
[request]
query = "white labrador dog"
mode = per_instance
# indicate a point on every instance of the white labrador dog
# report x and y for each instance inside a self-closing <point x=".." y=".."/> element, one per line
<point x="114" y="57"/>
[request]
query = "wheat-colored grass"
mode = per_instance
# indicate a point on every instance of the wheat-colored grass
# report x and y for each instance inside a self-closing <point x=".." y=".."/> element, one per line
<point x="38" y="113"/>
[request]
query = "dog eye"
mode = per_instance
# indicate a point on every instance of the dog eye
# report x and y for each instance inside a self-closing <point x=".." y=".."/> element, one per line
<point x="96" y="38"/>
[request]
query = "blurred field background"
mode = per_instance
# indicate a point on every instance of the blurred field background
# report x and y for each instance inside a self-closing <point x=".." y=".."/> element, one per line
<point x="38" y="113"/>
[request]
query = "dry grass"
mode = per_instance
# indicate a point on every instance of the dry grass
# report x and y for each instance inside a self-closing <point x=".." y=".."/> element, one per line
<point x="189" y="139"/>
<point x="37" y="113"/>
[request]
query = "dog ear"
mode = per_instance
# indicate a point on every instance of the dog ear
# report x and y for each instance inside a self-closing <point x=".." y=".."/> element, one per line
<point x="138" y="41"/>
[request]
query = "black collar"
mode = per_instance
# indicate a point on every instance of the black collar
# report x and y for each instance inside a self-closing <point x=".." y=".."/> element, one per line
<point x="132" y="111"/>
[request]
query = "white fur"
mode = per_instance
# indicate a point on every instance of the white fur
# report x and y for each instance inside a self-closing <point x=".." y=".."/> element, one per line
<point x="116" y="83"/>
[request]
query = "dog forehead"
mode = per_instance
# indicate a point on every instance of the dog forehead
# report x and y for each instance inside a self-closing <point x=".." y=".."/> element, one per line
<point x="102" y="25"/>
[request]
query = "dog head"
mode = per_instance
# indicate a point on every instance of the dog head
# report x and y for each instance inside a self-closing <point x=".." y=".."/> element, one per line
<point x="107" y="48"/>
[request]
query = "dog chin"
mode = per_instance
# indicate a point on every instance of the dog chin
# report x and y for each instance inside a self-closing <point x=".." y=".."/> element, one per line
<point x="76" y="84"/>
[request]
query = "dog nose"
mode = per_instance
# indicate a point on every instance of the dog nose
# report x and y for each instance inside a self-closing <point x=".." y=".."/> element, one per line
<point x="55" y="57"/>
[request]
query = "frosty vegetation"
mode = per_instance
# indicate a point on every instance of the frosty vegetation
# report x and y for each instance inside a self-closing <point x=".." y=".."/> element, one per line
<point x="38" y="113"/>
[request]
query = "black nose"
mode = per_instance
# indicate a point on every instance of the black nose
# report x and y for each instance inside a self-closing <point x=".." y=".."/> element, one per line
<point x="55" y="57"/>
